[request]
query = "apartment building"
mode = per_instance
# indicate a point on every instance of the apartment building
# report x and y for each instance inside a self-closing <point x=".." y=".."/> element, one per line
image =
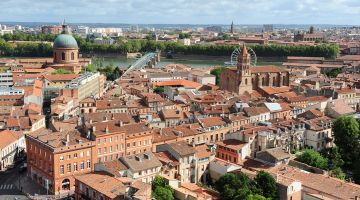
<point x="55" y="157"/>
<point x="12" y="144"/>
<point x="86" y="85"/>
<point x="110" y="139"/>
<point x="138" y="138"/>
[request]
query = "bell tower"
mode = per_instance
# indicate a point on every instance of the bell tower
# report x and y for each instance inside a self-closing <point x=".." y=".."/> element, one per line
<point x="244" y="71"/>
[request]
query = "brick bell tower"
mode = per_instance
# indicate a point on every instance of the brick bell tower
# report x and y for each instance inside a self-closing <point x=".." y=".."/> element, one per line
<point x="244" y="72"/>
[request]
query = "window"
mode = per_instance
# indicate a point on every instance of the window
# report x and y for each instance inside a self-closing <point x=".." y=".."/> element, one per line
<point x="110" y="149"/>
<point x="75" y="155"/>
<point x="110" y="139"/>
<point x="75" y="167"/>
<point x="139" y="143"/>
<point x="82" y="165"/>
<point x="61" y="169"/>
<point x="81" y="154"/>
<point x="72" y="56"/>
<point x="68" y="167"/>
<point x="117" y="147"/>
<point x="104" y="140"/>
<point x="88" y="153"/>
<point x="61" y="158"/>
<point x="63" y="55"/>
<point x="105" y="149"/>
<point x="145" y="142"/>
<point x="88" y="164"/>
<point x="134" y="144"/>
<point x="99" y="141"/>
<point x="128" y="145"/>
<point x="68" y="157"/>
<point x="99" y="150"/>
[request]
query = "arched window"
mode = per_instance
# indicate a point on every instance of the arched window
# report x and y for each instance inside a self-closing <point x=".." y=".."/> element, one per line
<point x="63" y="55"/>
<point x="65" y="185"/>
<point x="274" y="81"/>
<point x="72" y="56"/>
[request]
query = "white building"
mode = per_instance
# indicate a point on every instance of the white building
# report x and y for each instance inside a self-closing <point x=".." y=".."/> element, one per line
<point x="106" y="41"/>
<point x="11" y="144"/>
<point x="6" y="79"/>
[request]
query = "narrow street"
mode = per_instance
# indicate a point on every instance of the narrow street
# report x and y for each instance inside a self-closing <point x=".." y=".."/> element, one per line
<point x="9" y="182"/>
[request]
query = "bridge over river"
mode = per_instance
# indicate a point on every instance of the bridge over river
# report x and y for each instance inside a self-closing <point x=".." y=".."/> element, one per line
<point x="147" y="60"/>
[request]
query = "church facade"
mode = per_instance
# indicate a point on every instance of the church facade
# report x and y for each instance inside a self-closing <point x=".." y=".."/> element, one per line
<point x="66" y="52"/>
<point x="245" y="78"/>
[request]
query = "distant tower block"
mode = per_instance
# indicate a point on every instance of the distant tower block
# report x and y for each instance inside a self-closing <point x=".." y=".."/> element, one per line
<point x="232" y="27"/>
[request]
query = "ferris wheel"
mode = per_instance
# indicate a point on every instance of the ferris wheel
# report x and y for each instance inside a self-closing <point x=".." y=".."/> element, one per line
<point x="235" y="54"/>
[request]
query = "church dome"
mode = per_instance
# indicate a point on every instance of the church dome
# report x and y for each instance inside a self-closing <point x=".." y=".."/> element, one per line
<point x="65" y="41"/>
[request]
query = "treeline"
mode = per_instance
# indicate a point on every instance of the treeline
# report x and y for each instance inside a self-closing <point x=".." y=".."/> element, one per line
<point x="25" y="49"/>
<point x="123" y="46"/>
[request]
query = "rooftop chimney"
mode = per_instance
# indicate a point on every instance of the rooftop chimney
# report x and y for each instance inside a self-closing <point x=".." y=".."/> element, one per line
<point x="107" y="129"/>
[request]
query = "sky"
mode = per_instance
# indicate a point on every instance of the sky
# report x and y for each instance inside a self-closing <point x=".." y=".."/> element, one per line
<point x="342" y="12"/>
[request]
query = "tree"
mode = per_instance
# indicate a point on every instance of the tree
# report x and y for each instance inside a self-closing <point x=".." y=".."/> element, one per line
<point x="161" y="193"/>
<point x="338" y="173"/>
<point x="347" y="135"/>
<point x="184" y="35"/>
<point x="62" y="71"/>
<point x="267" y="185"/>
<point x="217" y="72"/>
<point x="91" y="68"/>
<point x="231" y="186"/>
<point x="334" y="72"/>
<point x="313" y="158"/>
<point x="255" y="197"/>
<point x="159" y="90"/>
<point x="161" y="189"/>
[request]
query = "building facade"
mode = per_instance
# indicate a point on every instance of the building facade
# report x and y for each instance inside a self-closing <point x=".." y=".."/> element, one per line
<point x="245" y="78"/>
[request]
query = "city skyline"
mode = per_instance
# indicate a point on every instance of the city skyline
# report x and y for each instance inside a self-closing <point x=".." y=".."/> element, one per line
<point x="341" y="12"/>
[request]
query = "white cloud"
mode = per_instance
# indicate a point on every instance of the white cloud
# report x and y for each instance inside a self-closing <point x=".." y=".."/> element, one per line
<point x="184" y="11"/>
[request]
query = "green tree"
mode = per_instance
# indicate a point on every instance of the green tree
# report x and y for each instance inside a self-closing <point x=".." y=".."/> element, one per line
<point x="159" y="90"/>
<point x="255" y="197"/>
<point x="347" y="136"/>
<point x="313" y="158"/>
<point x="267" y="185"/>
<point x="217" y="72"/>
<point x="161" y="189"/>
<point x="184" y="35"/>
<point x="337" y="173"/>
<point x="161" y="193"/>
<point x="62" y="71"/>
<point x="91" y="68"/>
<point x="231" y="186"/>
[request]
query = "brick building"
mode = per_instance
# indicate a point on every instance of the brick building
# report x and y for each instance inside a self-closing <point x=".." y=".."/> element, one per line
<point x="245" y="78"/>
<point x="54" y="158"/>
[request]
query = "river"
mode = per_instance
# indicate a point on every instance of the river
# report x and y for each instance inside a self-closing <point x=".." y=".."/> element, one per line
<point x="124" y="62"/>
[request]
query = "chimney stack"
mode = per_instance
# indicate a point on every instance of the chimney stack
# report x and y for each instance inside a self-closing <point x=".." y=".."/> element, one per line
<point x="107" y="129"/>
